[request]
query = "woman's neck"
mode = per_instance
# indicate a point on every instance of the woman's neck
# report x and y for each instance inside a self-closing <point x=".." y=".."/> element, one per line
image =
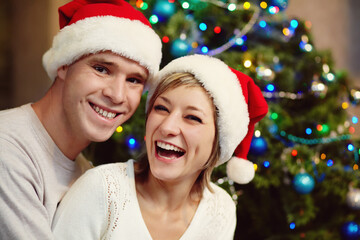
<point x="170" y="196"/>
<point x="173" y="205"/>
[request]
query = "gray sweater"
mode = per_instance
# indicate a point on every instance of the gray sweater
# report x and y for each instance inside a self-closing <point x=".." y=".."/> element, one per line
<point x="34" y="175"/>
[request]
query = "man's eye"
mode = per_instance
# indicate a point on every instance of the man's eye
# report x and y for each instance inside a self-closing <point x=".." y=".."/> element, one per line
<point x="135" y="80"/>
<point x="101" y="69"/>
<point x="194" y="118"/>
<point x="160" y="108"/>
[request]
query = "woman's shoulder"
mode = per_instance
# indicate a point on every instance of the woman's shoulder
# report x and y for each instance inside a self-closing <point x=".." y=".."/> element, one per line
<point x="219" y="199"/>
<point x="220" y="193"/>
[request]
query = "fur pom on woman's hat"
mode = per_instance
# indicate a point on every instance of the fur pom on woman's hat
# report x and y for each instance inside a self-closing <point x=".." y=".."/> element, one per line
<point x="240" y="105"/>
<point x="89" y="26"/>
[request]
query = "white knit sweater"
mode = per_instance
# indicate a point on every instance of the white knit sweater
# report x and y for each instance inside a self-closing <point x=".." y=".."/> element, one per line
<point x="102" y="204"/>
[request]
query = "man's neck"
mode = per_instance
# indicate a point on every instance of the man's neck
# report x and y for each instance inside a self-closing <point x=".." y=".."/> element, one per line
<point x="50" y="113"/>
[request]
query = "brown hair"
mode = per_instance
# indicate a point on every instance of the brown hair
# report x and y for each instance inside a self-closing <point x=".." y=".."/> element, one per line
<point x="170" y="82"/>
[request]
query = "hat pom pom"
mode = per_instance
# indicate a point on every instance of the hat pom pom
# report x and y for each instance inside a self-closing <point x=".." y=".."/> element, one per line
<point x="240" y="170"/>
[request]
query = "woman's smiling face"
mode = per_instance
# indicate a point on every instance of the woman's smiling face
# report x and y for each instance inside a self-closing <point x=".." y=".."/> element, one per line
<point x="180" y="132"/>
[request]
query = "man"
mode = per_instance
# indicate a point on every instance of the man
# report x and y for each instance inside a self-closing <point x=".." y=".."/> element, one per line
<point x="99" y="62"/>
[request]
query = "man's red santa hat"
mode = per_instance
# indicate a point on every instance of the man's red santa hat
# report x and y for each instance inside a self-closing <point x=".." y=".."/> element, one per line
<point x="92" y="26"/>
<point x="240" y="106"/>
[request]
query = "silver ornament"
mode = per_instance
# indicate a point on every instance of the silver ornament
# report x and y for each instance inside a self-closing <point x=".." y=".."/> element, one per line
<point x="353" y="198"/>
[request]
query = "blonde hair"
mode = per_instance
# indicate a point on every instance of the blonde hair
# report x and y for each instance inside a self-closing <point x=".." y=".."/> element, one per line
<point x="170" y="82"/>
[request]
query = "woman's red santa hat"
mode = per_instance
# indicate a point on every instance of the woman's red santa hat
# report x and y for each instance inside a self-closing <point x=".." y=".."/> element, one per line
<point x="239" y="102"/>
<point x="92" y="26"/>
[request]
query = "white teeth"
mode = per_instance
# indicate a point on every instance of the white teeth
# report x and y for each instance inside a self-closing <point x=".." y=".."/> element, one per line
<point x="168" y="147"/>
<point x="104" y="113"/>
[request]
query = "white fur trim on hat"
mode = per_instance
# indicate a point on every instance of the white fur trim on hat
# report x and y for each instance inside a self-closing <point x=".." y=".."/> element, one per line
<point x="224" y="87"/>
<point x="240" y="170"/>
<point x="128" y="38"/>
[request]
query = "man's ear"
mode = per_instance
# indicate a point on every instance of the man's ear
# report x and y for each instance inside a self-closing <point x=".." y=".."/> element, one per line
<point x="61" y="72"/>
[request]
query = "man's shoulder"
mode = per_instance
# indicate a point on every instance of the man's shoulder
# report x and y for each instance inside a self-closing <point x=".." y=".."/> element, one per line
<point x="15" y="124"/>
<point x="14" y="118"/>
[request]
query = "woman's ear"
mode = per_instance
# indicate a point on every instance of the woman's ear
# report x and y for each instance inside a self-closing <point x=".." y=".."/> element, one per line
<point x="61" y="72"/>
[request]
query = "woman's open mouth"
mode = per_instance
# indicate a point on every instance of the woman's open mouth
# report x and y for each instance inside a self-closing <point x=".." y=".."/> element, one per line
<point x="168" y="151"/>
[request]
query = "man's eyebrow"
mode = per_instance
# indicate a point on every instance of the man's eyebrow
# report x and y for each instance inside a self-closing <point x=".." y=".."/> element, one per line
<point x="98" y="59"/>
<point x="101" y="60"/>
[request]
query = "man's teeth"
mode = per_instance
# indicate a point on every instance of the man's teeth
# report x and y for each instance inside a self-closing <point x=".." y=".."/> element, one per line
<point x="168" y="147"/>
<point x="103" y="112"/>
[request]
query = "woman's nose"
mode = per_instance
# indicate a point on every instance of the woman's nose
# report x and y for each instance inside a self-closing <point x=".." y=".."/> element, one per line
<point x="170" y="125"/>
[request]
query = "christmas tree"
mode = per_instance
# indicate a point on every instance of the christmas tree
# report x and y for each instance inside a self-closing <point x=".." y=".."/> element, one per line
<point x="304" y="152"/>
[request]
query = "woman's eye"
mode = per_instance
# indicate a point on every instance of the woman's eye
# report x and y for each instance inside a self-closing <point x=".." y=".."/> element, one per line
<point x="101" y="69"/>
<point x="160" y="108"/>
<point x="194" y="118"/>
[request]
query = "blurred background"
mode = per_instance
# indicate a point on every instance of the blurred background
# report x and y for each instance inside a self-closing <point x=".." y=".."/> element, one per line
<point x="303" y="54"/>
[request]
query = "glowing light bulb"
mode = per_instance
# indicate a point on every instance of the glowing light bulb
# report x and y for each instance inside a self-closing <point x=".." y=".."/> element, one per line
<point x="239" y="41"/>
<point x="119" y="129"/>
<point x="294" y="23"/>
<point x="204" y="49"/>
<point x="270" y="87"/>
<point x="185" y="5"/>
<point x="139" y="3"/>
<point x="202" y="26"/>
<point x="154" y="19"/>
<point x="247" y="63"/>
<point x="217" y="29"/>
<point x="354" y="120"/>
<point x="304" y="38"/>
<point x="165" y="39"/>
<point x="247" y="5"/>
<point x="292" y="225"/>
<point x="286" y="31"/>
<point x="350" y="147"/>
<point x="266" y="164"/>
<point x="262" y="24"/>
<point x="232" y="7"/>
<point x="263" y="5"/>
<point x="131" y="143"/>
<point x="274" y="116"/>
<point x="330" y="77"/>
<point x="326" y="68"/>
<point x="356" y="167"/>
<point x="330" y="163"/>
<point x="255" y="166"/>
<point x="144" y="6"/>
<point x="308" y="47"/>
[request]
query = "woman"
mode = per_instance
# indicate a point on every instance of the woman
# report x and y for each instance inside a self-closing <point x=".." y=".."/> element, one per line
<point x="199" y="111"/>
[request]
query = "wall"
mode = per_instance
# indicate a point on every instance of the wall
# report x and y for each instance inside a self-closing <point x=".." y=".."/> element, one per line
<point x="335" y="26"/>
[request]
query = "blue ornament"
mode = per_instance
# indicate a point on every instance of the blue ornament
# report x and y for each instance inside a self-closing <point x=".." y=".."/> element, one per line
<point x="281" y="4"/>
<point x="350" y="231"/>
<point x="258" y="146"/>
<point x="164" y="8"/>
<point x="179" y="48"/>
<point x="303" y="183"/>
<point x="273" y="129"/>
